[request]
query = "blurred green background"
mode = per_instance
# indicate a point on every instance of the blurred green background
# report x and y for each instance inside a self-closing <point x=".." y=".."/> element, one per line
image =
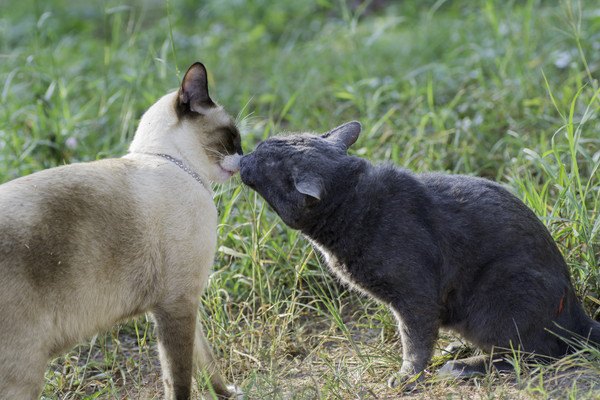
<point x="502" y="89"/>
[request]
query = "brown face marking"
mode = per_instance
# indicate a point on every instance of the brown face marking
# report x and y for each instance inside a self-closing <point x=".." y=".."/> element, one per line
<point x="223" y="141"/>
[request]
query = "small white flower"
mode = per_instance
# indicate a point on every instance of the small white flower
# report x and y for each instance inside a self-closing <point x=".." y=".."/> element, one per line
<point x="562" y="59"/>
<point x="71" y="143"/>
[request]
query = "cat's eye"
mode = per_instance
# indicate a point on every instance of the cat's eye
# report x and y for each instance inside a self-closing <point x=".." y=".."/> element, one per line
<point x="230" y="131"/>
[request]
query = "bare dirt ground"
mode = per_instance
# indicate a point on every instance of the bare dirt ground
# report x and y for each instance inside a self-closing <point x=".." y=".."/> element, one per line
<point x="315" y="362"/>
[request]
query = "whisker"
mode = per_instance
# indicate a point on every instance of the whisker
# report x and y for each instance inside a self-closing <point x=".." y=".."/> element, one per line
<point x="237" y="118"/>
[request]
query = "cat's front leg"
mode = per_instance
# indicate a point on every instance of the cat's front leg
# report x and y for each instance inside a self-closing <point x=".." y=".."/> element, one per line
<point x="205" y="361"/>
<point x="418" y="334"/>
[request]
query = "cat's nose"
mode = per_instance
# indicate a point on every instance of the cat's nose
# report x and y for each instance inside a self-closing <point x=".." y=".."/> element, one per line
<point x="245" y="170"/>
<point x="247" y="160"/>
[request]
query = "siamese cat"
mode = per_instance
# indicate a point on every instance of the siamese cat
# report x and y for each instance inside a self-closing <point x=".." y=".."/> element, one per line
<point x="85" y="246"/>
<point x="440" y="250"/>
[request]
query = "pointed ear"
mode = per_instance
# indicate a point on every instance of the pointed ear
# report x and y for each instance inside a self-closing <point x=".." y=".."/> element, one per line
<point x="344" y="135"/>
<point x="193" y="94"/>
<point x="309" y="186"/>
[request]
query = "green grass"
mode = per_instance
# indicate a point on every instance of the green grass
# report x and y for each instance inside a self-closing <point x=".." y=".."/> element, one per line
<point x="502" y="89"/>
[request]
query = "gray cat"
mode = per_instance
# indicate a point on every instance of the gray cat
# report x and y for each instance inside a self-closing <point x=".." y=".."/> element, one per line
<point x="448" y="251"/>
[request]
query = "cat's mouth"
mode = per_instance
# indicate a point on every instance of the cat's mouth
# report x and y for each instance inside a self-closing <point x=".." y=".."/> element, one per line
<point x="226" y="171"/>
<point x="230" y="164"/>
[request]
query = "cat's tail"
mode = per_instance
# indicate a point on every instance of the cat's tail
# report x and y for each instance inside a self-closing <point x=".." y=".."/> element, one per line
<point x="587" y="329"/>
<point x="577" y="326"/>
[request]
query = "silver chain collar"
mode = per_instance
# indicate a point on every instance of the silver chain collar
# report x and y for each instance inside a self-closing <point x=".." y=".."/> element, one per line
<point x="184" y="167"/>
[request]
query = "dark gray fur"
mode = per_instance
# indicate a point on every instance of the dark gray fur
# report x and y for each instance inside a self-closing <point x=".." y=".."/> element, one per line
<point x="440" y="250"/>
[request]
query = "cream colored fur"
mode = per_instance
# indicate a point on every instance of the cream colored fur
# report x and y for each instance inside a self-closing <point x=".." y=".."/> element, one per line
<point x="85" y="246"/>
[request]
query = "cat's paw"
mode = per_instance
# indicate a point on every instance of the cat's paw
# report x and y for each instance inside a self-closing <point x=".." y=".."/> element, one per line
<point x="464" y="368"/>
<point x="235" y="392"/>
<point x="475" y="366"/>
<point x="231" y="392"/>
<point x="452" y="371"/>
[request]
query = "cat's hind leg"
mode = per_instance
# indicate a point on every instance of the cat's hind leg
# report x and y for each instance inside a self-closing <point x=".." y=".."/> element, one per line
<point x="513" y="307"/>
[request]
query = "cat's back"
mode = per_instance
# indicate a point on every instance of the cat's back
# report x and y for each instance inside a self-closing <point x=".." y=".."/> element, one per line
<point x="462" y="191"/>
<point x="480" y="221"/>
<point x="64" y="195"/>
<point x="119" y="189"/>
<point x="469" y="199"/>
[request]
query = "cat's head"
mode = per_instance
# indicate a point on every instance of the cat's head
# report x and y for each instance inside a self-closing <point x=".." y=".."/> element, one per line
<point x="295" y="173"/>
<point x="189" y="124"/>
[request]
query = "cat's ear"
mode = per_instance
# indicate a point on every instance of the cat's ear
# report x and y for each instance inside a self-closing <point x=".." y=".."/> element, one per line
<point x="193" y="94"/>
<point x="310" y="186"/>
<point x="344" y="135"/>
